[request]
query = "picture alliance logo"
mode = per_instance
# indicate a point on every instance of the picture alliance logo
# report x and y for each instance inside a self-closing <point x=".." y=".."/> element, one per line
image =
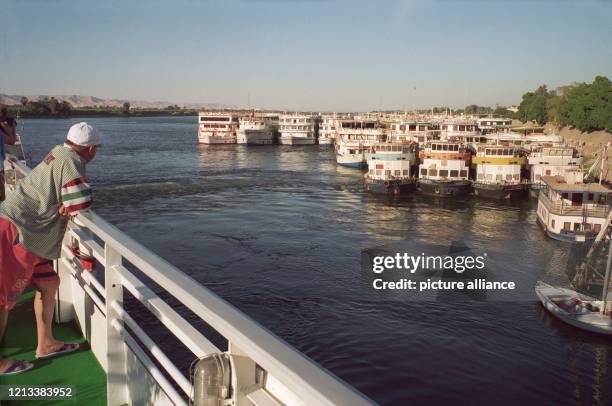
<point x="414" y="263"/>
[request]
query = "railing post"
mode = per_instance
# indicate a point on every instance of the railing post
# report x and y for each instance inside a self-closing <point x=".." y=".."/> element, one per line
<point x="64" y="304"/>
<point x="243" y="374"/>
<point x="116" y="374"/>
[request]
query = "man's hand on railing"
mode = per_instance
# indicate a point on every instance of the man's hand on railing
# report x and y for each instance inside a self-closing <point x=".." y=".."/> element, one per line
<point x="63" y="211"/>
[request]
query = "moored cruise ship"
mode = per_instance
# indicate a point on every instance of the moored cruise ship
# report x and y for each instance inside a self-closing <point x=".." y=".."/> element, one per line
<point x="552" y="161"/>
<point x="569" y="210"/>
<point x="256" y="130"/>
<point x="216" y="128"/>
<point x="488" y="125"/>
<point x="459" y="130"/>
<point x="328" y="129"/>
<point x="413" y="131"/>
<point x="391" y="168"/>
<point x="355" y="139"/>
<point x="444" y="169"/>
<point x="296" y="129"/>
<point x="527" y="138"/>
<point x="499" y="172"/>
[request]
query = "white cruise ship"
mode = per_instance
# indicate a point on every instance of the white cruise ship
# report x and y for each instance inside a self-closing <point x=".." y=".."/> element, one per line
<point x="569" y="210"/>
<point x="216" y="128"/>
<point x="296" y="129"/>
<point x="553" y="161"/>
<point x="459" y="130"/>
<point x="413" y="131"/>
<point x="256" y="130"/>
<point x="392" y="168"/>
<point x="355" y="139"/>
<point x="488" y="125"/>
<point x="328" y="129"/>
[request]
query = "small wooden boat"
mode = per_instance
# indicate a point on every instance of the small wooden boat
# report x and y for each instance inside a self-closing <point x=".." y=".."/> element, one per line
<point x="574" y="308"/>
<point x="582" y="310"/>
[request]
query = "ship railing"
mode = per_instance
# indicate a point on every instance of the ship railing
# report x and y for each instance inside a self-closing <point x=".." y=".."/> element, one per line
<point x="565" y="209"/>
<point x="264" y="369"/>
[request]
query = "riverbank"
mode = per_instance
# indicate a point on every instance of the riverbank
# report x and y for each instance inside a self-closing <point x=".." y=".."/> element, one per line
<point x="588" y="144"/>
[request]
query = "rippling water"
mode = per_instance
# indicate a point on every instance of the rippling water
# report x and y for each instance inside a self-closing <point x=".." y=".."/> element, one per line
<point x="278" y="232"/>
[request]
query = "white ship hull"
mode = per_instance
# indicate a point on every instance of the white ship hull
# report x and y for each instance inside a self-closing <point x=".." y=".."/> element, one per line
<point x="254" y="137"/>
<point x="351" y="160"/>
<point x="216" y="139"/>
<point x="296" y="140"/>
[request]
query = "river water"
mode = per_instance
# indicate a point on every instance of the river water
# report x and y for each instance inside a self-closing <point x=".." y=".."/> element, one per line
<point x="278" y="231"/>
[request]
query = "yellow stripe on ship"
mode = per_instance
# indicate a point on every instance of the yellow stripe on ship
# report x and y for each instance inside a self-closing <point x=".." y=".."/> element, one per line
<point x="499" y="161"/>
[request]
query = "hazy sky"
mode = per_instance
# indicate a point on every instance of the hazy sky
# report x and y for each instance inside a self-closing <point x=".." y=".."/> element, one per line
<point x="318" y="55"/>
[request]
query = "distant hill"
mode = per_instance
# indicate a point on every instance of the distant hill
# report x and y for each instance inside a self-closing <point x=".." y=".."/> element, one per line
<point x="91" y="101"/>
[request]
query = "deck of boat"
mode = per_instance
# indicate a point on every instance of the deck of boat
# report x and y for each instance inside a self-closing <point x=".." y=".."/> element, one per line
<point x="79" y="369"/>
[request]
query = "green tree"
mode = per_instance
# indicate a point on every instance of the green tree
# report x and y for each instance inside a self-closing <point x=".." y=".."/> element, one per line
<point x="533" y="106"/>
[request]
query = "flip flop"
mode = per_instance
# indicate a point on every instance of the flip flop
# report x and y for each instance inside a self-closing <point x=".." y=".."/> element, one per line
<point x="64" y="349"/>
<point x="17" y="367"/>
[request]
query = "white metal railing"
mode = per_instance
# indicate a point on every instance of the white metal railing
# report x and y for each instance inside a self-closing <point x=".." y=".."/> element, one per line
<point x="290" y="377"/>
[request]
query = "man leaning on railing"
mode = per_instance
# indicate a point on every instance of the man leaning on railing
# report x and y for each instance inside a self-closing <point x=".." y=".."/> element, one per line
<point x="33" y="221"/>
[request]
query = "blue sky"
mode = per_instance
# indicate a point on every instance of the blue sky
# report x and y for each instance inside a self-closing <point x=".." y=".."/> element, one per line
<point x="316" y="55"/>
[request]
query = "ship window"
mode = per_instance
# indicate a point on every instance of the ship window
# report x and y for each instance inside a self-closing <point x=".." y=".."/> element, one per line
<point x="412" y="127"/>
<point x="454" y="174"/>
<point x="488" y="151"/>
<point x="402" y="128"/>
<point x="596" y="228"/>
<point x="590" y="197"/>
<point x="489" y="176"/>
<point x="499" y="152"/>
<point x="379" y="172"/>
<point x="433" y="172"/>
<point x="397" y="172"/>
<point x="464" y="174"/>
<point x="517" y="176"/>
<point x="567" y="226"/>
<point x="423" y="172"/>
<point x="388" y="172"/>
<point x="456" y="147"/>
<point x="587" y="227"/>
<point x="480" y="176"/>
<point x="565" y="195"/>
<point x="498" y="176"/>
<point x="552" y="223"/>
<point x="576" y="226"/>
<point x="405" y="172"/>
<point x="508" y="176"/>
<point x="537" y="177"/>
<point x="444" y="173"/>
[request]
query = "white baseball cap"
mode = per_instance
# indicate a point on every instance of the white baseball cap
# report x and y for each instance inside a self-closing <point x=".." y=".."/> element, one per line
<point x="84" y="135"/>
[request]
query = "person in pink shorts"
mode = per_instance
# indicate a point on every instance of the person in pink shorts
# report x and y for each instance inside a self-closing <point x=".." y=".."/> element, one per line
<point x="33" y="221"/>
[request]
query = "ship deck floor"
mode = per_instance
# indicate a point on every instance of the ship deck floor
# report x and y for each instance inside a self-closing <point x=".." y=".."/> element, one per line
<point x="79" y="369"/>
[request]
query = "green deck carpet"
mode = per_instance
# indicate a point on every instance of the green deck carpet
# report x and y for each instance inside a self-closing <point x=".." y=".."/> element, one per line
<point x="80" y="368"/>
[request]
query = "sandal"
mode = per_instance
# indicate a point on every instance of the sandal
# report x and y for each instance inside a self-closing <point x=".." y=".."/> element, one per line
<point x="64" y="349"/>
<point x="17" y="367"/>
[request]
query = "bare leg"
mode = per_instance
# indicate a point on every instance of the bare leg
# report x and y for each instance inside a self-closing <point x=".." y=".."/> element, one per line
<point x="4" y="362"/>
<point x="3" y="320"/>
<point x="44" y="303"/>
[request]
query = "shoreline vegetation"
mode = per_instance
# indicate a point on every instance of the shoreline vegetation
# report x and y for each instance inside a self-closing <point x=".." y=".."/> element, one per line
<point x="582" y="106"/>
